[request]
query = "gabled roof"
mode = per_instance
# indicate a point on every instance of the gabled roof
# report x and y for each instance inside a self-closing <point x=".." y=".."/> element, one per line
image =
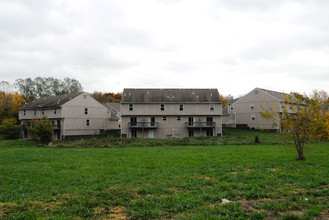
<point x="49" y="101"/>
<point x="226" y="108"/>
<point x="278" y="95"/>
<point x="114" y="106"/>
<point x="170" y="96"/>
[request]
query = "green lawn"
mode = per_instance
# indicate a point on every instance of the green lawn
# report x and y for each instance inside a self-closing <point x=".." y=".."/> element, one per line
<point x="182" y="182"/>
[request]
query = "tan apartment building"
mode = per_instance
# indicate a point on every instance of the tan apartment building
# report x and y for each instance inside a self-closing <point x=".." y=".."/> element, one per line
<point x="168" y="113"/>
<point x="228" y="117"/>
<point x="247" y="109"/>
<point x="71" y="114"/>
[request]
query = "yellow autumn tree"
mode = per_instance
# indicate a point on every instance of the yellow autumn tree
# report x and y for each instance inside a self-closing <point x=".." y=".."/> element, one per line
<point x="302" y="118"/>
<point x="9" y="105"/>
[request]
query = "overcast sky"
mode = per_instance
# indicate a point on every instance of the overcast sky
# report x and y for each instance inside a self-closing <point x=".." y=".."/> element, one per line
<point x="232" y="45"/>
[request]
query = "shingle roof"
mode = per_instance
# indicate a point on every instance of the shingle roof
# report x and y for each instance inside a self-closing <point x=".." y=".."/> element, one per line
<point x="170" y="96"/>
<point x="113" y="105"/>
<point x="49" y="101"/>
<point x="278" y="95"/>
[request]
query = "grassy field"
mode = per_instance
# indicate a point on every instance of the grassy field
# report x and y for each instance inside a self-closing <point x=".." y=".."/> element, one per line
<point x="182" y="182"/>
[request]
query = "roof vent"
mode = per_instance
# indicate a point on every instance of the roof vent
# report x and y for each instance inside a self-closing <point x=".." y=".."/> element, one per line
<point x="39" y="105"/>
<point x="168" y="96"/>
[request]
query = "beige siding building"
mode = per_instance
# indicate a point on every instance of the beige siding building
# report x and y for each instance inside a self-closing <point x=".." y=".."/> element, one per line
<point x="228" y="116"/>
<point x="167" y="113"/>
<point x="71" y="115"/>
<point x="247" y="109"/>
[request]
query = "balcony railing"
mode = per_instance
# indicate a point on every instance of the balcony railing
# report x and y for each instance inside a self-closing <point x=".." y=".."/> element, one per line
<point x="56" y="127"/>
<point x="200" y="124"/>
<point x="143" y="124"/>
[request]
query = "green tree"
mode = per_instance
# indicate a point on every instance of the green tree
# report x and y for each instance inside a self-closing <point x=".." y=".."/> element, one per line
<point x="42" y="129"/>
<point x="10" y="128"/>
<point x="46" y="86"/>
<point x="303" y="119"/>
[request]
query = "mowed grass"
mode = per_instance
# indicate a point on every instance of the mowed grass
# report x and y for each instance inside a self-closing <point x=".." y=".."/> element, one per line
<point x="182" y="182"/>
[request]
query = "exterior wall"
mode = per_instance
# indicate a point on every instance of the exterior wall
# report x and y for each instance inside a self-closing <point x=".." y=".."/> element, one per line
<point x="244" y="112"/>
<point x="75" y="119"/>
<point x="171" y="127"/>
<point x="171" y="109"/>
<point x="29" y="114"/>
<point x="72" y="118"/>
<point x="228" y="120"/>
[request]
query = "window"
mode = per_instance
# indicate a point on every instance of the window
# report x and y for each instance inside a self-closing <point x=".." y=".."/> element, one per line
<point x="164" y="118"/>
<point x="179" y="118"/>
<point x="86" y="111"/>
<point x="43" y="112"/>
<point x="231" y="108"/>
<point x="131" y="107"/>
<point x="87" y="122"/>
<point x="253" y="117"/>
<point x="35" y="112"/>
<point x="24" y="112"/>
<point x="212" y="107"/>
<point x="162" y="107"/>
<point x="181" y="107"/>
<point x="252" y="106"/>
<point x="54" y="111"/>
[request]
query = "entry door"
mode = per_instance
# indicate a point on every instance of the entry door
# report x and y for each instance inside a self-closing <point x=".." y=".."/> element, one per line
<point x="190" y="121"/>
<point x="151" y="133"/>
<point x="152" y="121"/>
<point x="133" y="121"/>
<point x="209" y="121"/>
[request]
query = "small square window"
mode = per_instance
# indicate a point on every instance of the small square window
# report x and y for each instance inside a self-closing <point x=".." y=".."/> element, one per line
<point x="55" y="112"/>
<point x="162" y="107"/>
<point x="131" y="107"/>
<point x="164" y="118"/>
<point x="252" y="106"/>
<point x="231" y="108"/>
<point x="181" y="107"/>
<point x="179" y="118"/>
<point x="86" y="111"/>
<point x="212" y="107"/>
<point x="253" y="117"/>
<point x="87" y="122"/>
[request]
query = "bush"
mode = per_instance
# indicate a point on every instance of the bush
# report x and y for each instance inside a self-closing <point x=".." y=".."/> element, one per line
<point x="10" y="129"/>
<point x="43" y="129"/>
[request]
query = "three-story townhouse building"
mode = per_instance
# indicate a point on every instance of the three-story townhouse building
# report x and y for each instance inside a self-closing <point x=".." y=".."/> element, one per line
<point x="71" y="114"/>
<point x="165" y="113"/>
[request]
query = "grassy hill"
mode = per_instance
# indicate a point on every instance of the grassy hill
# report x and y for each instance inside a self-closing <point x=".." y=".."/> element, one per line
<point x="230" y="137"/>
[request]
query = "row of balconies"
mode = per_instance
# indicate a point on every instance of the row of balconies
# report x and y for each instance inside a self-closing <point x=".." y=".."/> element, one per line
<point x="26" y="126"/>
<point x="187" y="124"/>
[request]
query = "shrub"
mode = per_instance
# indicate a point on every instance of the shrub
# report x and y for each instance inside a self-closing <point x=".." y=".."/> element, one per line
<point x="10" y="129"/>
<point x="43" y="129"/>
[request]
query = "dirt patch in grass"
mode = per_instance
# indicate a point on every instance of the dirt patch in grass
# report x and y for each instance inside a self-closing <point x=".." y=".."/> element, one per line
<point x="275" y="169"/>
<point x="324" y="215"/>
<point x="118" y="212"/>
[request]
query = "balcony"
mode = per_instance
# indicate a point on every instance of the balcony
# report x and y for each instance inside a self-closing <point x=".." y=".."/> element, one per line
<point x="200" y="124"/>
<point x="142" y="124"/>
<point x="56" y="127"/>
